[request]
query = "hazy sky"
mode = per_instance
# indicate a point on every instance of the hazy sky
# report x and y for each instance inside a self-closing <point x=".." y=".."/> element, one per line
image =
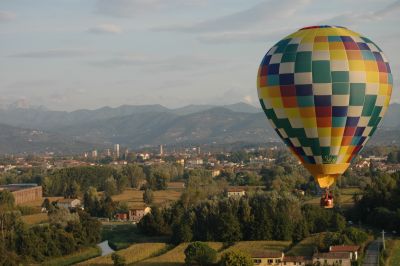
<point x="71" y="54"/>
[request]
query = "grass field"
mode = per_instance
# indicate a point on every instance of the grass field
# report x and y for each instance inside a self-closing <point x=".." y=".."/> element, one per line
<point x="132" y="254"/>
<point x="303" y="248"/>
<point x="257" y="246"/>
<point x="74" y="258"/>
<point x="123" y="235"/>
<point x="134" y="198"/>
<point x="36" y="218"/>
<point x="174" y="257"/>
<point x="393" y="250"/>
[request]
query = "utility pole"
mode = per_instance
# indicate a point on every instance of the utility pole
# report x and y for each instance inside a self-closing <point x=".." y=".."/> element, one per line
<point x="383" y="239"/>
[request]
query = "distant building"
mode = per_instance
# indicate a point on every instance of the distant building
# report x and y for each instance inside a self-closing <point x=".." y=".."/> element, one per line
<point x="215" y="172"/>
<point x="94" y="154"/>
<point x="24" y="193"/>
<point x="69" y="203"/>
<point x="176" y="185"/>
<point x="135" y="215"/>
<point x="161" y="150"/>
<point x="333" y="258"/>
<point x="121" y="216"/>
<point x="116" y="150"/>
<point x="235" y="192"/>
<point x="296" y="261"/>
<point x="267" y="258"/>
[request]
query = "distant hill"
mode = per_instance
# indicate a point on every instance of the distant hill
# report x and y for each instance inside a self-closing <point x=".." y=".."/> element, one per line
<point x="20" y="140"/>
<point x="136" y="126"/>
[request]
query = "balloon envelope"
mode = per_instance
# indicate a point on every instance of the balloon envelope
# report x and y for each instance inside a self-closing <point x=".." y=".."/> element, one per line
<point x="325" y="89"/>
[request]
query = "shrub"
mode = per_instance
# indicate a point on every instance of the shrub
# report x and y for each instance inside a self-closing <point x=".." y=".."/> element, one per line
<point x="236" y="258"/>
<point x="199" y="253"/>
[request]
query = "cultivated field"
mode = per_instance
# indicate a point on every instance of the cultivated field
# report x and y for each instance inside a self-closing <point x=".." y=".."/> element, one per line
<point x="36" y="218"/>
<point x="174" y="257"/>
<point x="257" y="246"/>
<point x="303" y="248"/>
<point x="134" y="198"/>
<point x="133" y="254"/>
<point x="74" y="258"/>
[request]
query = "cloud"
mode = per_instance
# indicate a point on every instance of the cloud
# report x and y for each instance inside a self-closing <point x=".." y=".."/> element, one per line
<point x="7" y="16"/>
<point x="175" y="63"/>
<point x="241" y="36"/>
<point x="129" y="8"/>
<point x="54" y="53"/>
<point x="262" y="13"/>
<point x="352" y="18"/>
<point x="105" y="29"/>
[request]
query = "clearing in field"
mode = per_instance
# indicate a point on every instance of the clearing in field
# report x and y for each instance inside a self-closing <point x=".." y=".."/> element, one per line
<point x="174" y="257"/>
<point x="36" y="218"/>
<point x="134" y="197"/>
<point x="74" y="258"/>
<point x="306" y="247"/>
<point x="132" y="254"/>
<point x="257" y="246"/>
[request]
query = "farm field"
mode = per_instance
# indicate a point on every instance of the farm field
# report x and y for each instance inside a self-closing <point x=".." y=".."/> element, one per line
<point x="74" y="258"/>
<point x="36" y="218"/>
<point x="132" y="254"/>
<point x="257" y="246"/>
<point x="303" y="248"/>
<point x="174" y="257"/>
<point x="134" y="198"/>
<point x="394" y="253"/>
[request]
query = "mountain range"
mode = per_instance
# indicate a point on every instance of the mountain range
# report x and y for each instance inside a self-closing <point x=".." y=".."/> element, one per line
<point x="39" y="129"/>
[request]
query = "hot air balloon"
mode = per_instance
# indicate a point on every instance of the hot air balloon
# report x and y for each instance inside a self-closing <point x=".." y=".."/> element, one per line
<point x="325" y="90"/>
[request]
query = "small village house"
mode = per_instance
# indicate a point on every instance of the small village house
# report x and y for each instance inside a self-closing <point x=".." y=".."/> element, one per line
<point x="353" y="250"/>
<point x="235" y="192"/>
<point x="69" y="203"/>
<point x="136" y="214"/>
<point x="267" y="258"/>
<point x="332" y="258"/>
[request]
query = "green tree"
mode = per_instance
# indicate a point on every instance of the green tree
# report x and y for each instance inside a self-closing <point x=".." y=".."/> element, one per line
<point x="148" y="196"/>
<point x="6" y="200"/>
<point x="118" y="260"/>
<point x="110" y="186"/>
<point x="236" y="258"/>
<point x="199" y="253"/>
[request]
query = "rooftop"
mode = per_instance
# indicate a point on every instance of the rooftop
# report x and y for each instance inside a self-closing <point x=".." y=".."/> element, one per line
<point x="344" y="248"/>
<point x="266" y="254"/>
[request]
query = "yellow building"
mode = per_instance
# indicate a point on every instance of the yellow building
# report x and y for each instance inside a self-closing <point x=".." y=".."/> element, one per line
<point x="267" y="258"/>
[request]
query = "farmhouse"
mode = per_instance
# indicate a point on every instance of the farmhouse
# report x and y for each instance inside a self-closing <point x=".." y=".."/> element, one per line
<point x="135" y="215"/>
<point x="69" y="203"/>
<point x="333" y="258"/>
<point x="266" y="258"/>
<point x="236" y="192"/>
<point x="346" y="249"/>
<point x="24" y="193"/>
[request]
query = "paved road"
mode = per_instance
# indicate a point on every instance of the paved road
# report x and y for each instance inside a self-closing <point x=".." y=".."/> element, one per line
<point x="105" y="248"/>
<point x="372" y="253"/>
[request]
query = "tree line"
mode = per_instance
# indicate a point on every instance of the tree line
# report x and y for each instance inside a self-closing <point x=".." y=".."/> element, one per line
<point x="65" y="233"/>
<point x="262" y="216"/>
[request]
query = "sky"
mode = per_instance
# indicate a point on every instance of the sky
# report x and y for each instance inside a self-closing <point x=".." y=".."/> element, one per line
<point x="74" y="54"/>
